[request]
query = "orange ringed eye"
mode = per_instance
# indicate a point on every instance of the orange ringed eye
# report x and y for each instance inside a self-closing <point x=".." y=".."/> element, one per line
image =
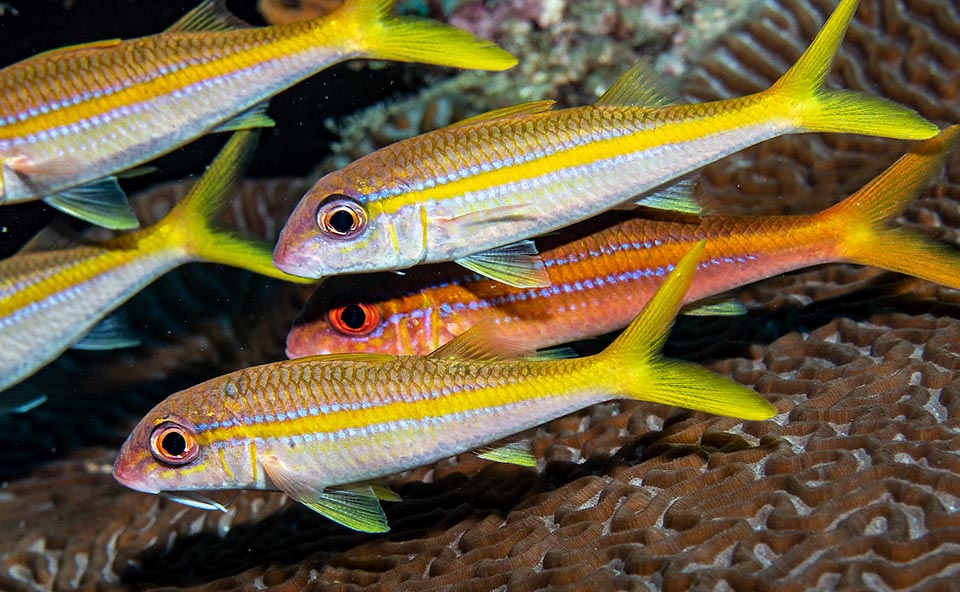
<point x="355" y="319"/>
<point x="341" y="217"/>
<point x="172" y="444"/>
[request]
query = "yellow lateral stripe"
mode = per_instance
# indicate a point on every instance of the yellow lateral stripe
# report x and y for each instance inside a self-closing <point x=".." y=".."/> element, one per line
<point x="653" y="135"/>
<point x="566" y="372"/>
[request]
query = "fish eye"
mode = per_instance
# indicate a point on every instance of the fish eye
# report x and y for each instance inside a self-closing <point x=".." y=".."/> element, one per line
<point x="341" y="217"/>
<point x="173" y="444"/>
<point x="355" y="319"/>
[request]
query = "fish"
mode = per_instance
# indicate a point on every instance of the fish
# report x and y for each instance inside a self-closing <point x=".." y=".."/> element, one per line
<point x="477" y="191"/>
<point x="73" y="117"/>
<point x="600" y="280"/>
<point x="59" y="287"/>
<point x="327" y="429"/>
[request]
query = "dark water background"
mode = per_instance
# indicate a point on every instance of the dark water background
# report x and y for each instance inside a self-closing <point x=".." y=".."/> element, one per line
<point x="293" y="147"/>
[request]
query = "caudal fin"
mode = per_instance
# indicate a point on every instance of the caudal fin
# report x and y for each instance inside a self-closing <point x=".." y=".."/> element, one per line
<point x="191" y="225"/>
<point x="861" y="221"/>
<point x="411" y="39"/>
<point x="643" y="374"/>
<point x="823" y="110"/>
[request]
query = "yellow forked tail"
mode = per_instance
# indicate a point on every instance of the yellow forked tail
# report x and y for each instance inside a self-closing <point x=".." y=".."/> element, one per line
<point x="191" y="225"/>
<point x="634" y="363"/>
<point x="861" y="221"/>
<point x="818" y="109"/>
<point x="411" y="39"/>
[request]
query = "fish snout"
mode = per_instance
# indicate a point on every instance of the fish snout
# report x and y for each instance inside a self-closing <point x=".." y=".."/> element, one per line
<point x="127" y="470"/>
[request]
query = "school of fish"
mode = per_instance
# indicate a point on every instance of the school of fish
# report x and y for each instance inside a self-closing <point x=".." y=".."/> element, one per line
<point x="390" y="372"/>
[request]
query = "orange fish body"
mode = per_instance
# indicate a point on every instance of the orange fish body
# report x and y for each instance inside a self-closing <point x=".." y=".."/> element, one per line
<point x="75" y="115"/>
<point x="601" y="280"/>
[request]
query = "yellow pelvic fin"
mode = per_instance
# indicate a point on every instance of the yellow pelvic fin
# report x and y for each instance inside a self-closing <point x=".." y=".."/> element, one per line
<point x="818" y="109"/>
<point x="637" y="370"/>
<point x="410" y="39"/>
<point x="861" y="221"/>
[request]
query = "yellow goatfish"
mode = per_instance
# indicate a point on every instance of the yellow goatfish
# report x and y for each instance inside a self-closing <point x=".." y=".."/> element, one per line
<point x="49" y="299"/>
<point x="73" y="117"/>
<point x="322" y="428"/>
<point x="462" y="192"/>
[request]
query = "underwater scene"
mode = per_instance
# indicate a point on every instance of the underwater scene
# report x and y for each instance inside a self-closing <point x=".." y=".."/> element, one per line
<point x="479" y="295"/>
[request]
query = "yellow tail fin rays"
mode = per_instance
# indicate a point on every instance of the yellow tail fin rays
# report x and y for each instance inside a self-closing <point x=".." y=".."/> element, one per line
<point x="411" y="39"/>
<point x="673" y="382"/>
<point x="842" y="111"/>
<point x="192" y="223"/>
<point x="861" y="221"/>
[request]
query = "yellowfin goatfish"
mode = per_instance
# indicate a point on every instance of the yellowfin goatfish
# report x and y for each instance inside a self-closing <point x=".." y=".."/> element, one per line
<point x="72" y="117"/>
<point x="323" y="428"/>
<point x="602" y="279"/>
<point x="461" y="192"/>
<point x="49" y="299"/>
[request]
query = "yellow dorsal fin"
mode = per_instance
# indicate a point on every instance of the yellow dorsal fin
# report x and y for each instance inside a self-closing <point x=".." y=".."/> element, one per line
<point x="210" y="15"/>
<point x="521" y="109"/>
<point x="640" y="86"/>
<point x="482" y="342"/>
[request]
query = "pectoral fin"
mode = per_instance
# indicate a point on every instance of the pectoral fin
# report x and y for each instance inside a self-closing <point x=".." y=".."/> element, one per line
<point x="102" y="203"/>
<point x="518" y="265"/>
<point x="355" y="506"/>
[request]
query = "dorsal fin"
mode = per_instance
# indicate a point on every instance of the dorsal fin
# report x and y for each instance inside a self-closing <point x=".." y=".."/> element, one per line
<point x="521" y="109"/>
<point x="58" y="236"/>
<point x="482" y="342"/>
<point x="210" y="15"/>
<point x="640" y="86"/>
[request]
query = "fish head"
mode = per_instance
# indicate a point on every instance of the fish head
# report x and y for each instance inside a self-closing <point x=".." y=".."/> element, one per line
<point x="171" y="449"/>
<point x="384" y="313"/>
<point x="339" y="228"/>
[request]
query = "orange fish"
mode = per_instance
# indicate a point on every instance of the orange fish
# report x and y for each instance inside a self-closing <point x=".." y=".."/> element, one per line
<point x="72" y="118"/>
<point x="600" y="281"/>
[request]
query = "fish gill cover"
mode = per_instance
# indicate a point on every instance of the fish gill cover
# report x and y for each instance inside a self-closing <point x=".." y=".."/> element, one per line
<point x="856" y="485"/>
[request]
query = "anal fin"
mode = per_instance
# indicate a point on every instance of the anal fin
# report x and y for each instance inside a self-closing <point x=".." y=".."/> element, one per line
<point x="255" y="117"/>
<point x="517" y="452"/>
<point x="677" y="197"/>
